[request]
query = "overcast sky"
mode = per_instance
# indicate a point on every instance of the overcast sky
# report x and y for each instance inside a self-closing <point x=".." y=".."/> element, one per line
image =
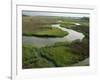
<point x="34" y="13"/>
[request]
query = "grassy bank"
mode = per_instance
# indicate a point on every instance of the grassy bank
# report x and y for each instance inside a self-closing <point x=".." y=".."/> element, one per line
<point x="50" y="32"/>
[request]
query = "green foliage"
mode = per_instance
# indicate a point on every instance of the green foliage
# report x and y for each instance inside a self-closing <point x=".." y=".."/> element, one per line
<point x="53" y="32"/>
<point x="32" y="59"/>
<point x="61" y="56"/>
<point x="80" y="47"/>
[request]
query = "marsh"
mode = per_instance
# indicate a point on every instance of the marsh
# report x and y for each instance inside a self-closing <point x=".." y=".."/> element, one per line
<point x="54" y="41"/>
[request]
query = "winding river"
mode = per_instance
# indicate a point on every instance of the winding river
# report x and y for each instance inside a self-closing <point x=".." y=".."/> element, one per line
<point x="40" y="42"/>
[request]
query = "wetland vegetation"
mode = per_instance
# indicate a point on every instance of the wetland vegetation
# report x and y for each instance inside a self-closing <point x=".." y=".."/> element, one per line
<point x="64" y="40"/>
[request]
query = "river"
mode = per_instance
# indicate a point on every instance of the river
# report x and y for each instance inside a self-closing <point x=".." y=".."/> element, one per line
<point x="41" y="42"/>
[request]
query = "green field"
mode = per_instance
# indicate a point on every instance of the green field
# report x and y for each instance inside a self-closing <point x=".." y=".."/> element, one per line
<point x="34" y="26"/>
<point x="53" y="32"/>
<point x="58" y="55"/>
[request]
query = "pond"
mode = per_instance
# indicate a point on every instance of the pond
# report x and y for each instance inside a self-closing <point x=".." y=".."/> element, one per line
<point x="41" y="42"/>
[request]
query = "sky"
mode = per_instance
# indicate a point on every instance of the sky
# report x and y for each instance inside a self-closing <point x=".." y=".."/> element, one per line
<point x="41" y="13"/>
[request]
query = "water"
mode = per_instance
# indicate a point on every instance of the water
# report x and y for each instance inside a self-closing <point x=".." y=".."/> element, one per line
<point x="40" y="42"/>
<point x="76" y="23"/>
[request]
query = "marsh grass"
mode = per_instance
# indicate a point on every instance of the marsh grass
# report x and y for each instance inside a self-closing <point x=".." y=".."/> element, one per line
<point x="61" y="54"/>
<point x="53" y="32"/>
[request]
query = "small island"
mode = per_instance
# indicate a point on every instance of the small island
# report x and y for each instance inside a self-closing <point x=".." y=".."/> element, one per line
<point x="50" y="32"/>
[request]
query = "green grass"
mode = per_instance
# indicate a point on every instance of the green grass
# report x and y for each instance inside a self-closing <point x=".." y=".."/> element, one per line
<point x="35" y="23"/>
<point x="61" y="56"/>
<point x="32" y="59"/>
<point x="53" y="32"/>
